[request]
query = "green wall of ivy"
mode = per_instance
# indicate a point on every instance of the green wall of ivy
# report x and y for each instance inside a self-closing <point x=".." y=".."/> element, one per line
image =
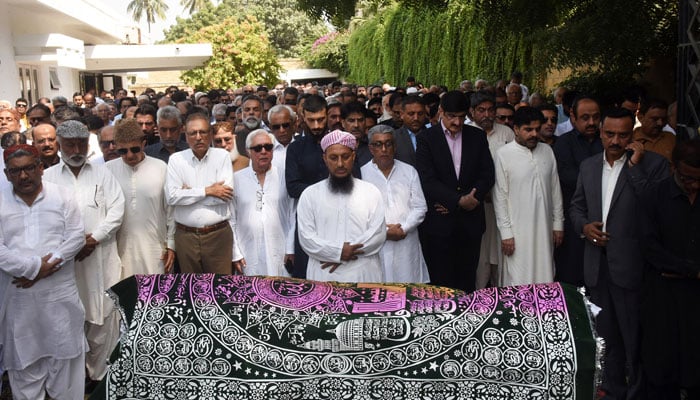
<point x="437" y="46"/>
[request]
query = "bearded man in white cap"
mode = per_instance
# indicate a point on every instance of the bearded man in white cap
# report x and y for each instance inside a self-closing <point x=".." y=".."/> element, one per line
<point x="97" y="264"/>
<point x="341" y="219"/>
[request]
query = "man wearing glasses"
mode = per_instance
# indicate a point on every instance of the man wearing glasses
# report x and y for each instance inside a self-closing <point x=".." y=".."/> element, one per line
<point x="97" y="266"/>
<point x="404" y="206"/>
<point x="146" y="240"/>
<point x="42" y="327"/>
<point x="265" y="215"/>
<point x="282" y="125"/>
<point x="21" y="107"/>
<point x="199" y="187"/>
<point x="456" y="172"/>
<point x="504" y="114"/>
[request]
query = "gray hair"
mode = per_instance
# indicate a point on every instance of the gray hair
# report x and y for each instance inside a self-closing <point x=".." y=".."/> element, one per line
<point x="280" y="108"/>
<point x="379" y="129"/>
<point x="219" y="109"/>
<point x="72" y="130"/>
<point x="169" y="113"/>
<point x="253" y="134"/>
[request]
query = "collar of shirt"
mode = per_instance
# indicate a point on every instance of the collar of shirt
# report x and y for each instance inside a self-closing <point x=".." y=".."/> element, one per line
<point x="619" y="161"/>
<point x="448" y="133"/>
<point x="204" y="157"/>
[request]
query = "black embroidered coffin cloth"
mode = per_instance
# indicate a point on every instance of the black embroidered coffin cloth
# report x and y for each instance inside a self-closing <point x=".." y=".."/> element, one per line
<point x="212" y="337"/>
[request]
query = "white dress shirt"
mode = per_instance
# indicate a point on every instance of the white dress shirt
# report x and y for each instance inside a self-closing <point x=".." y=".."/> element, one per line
<point x="609" y="181"/>
<point x="185" y="186"/>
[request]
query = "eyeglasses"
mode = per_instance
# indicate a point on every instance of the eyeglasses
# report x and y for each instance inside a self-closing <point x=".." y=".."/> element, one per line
<point x="259" y="200"/>
<point x="504" y="117"/>
<point x="194" y="134"/>
<point x="278" y="126"/>
<point x="133" y="150"/>
<point x="106" y="143"/>
<point x="16" y="172"/>
<point x="451" y="116"/>
<point x="21" y="105"/>
<point x="380" y="145"/>
<point x="260" y="147"/>
<point x="551" y="119"/>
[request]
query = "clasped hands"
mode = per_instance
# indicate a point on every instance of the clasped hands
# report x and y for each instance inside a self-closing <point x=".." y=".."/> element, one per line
<point x="350" y="252"/>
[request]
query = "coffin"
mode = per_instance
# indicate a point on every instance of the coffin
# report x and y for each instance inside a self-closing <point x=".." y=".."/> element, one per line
<point x="210" y="336"/>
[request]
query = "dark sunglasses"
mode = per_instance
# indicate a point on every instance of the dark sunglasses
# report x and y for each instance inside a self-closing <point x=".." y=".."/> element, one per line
<point x="277" y="126"/>
<point x="133" y="150"/>
<point x="260" y="147"/>
<point x="107" y="143"/>
<point x="504" y="117"/>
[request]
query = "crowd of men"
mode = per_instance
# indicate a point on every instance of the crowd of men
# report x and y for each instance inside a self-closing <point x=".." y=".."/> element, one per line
<point x="487" y="185"/>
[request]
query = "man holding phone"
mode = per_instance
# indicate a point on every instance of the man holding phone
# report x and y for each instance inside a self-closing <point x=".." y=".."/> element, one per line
<point x="603" y="210"/>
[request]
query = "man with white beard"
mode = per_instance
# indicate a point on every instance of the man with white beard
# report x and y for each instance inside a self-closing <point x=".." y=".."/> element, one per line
<point x="224" y="138"/>
<point x="97" y="266"/>
<point x="265" y="214"/>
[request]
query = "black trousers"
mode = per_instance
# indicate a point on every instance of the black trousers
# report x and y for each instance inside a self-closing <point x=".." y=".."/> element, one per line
<point x="452" y="260"/>
<point x="619" y="324"/>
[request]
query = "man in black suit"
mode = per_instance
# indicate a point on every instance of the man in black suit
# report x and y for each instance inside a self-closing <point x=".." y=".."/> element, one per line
<point x="413" y="114"/>
<point x="604" y="210"/>
<point x="456" y="172"/>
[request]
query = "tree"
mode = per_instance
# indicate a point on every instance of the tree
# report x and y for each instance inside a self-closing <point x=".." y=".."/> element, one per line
<point x="289" y="30"/>
<point x="446" y="41"/>
<point x="241" y="54"/>
<point x="151" y="8"/>
<point x="194" y="5"/>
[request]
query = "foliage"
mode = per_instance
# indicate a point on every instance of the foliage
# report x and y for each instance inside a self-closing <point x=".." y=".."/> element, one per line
<point x="193" y="6"/>
<point x="151" y="8"/>
<point x="336" y="12"/>
<point x="446" y="41"/>
<point x="437" y="46"/>
<point x="330" y="52"/>
<point x="288" y="29"/>
<point x="241" y="55"/>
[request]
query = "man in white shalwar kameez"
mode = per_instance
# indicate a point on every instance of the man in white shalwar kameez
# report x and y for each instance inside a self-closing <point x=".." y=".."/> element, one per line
<point x="97" y="266"/>
<point x="405" y="207"/>
<point x="341" y="219"/>
<point x="41" y="315"/>
<point x="483" y="108"/>
<point x="528" y="203"/>
<point x="265" y="215"/>
<point x="146" y="239"/>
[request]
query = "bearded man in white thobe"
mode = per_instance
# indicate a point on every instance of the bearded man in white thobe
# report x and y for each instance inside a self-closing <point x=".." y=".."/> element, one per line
<point x="97" y="266"/>
<point x="405" y="207"/>
<point x="146" y="239"/>
<point x="341" y="219"/>
<point x="265" y="216"/>
<point x="41" y="315"/>
<point x="483" y="108"/>
<point x="528" y="203"/>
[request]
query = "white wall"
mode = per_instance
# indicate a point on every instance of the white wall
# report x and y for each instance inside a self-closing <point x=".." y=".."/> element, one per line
<point x="69" y="82"/>
<point x="9" y="78"/>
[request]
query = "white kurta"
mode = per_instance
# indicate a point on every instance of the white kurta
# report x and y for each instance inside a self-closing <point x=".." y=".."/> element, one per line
<point x="491" y="240"/>
<point x="528" y="203"/>
<point x="326" y="220"/>
<point x="45" y="320"/>
<point x="404" y="203"/>
<point x="265" y="221"/>
<point x="148" y="228"/>
<point x="101" y="203"/>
